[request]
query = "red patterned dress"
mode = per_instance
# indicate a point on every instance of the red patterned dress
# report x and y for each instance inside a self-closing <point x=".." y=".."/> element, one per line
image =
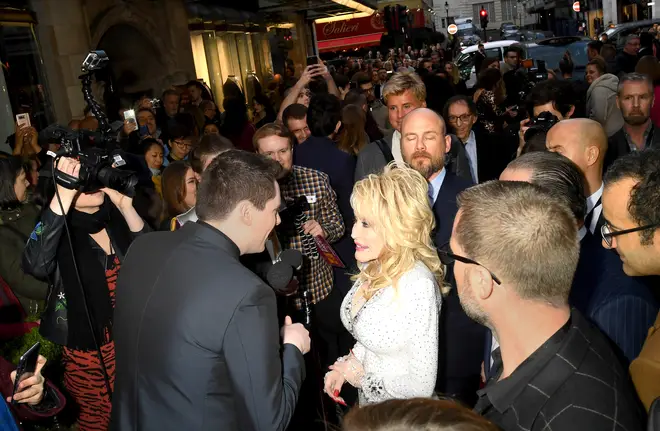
<point x="83" y="377"/>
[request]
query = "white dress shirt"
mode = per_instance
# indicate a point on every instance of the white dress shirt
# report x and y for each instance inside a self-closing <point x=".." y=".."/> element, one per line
<point x="471" y="151"/>
<point x="435" y="184"/>
<point x="591" y="206"/>
<point x="396" y="146"/>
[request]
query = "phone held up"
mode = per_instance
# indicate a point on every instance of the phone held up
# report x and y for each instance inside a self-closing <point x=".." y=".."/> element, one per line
<point x="27" y="365"/>
<point x="23" y="120"/>
<point x="312" y="60"/>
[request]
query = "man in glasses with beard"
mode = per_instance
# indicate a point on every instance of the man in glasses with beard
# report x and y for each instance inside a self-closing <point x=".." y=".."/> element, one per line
<point x="634" y="99"/>
<point x="424" y="143"/>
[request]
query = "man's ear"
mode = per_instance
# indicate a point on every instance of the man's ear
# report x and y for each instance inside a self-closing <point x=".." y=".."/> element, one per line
<point x="245" y="212"/>
<point x="481" y="282"/>
<point x="447" y="143"/>
<point x="337" y="126"/>
<point x="618" y="104"/>
<point x="570" y="113"/>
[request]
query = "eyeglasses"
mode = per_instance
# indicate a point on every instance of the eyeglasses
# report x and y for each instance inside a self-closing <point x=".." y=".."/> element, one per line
<point x="448" y="258"/>
<point x="182" y="144"/>
<point x="464" y="118"/>
<point x="607" y="233"/>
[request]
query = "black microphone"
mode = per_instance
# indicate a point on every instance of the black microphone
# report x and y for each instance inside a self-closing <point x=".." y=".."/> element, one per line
<point x="279" y="276"/>
<point x="292" y="257"/>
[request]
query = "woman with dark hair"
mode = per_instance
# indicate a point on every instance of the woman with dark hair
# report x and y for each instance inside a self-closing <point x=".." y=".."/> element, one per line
<point x="263" y="111"/>
<point x="179" y="192"/>
<point x="82" y="266"/>
<point x="352" y="137"/>
<point x="438" y="91"/>
<point x="415" y="414"/>
<point x="236" y="126"/>
<point x="17" y="219"/>
<point x="490" y="94"/>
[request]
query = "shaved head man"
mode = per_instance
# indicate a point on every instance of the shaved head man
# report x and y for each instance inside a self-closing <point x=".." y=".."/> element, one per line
<point x="424" y="142"/>
<point x="584" y="142"/>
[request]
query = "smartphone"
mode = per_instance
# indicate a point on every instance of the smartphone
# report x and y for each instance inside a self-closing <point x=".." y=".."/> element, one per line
<point x="129" y="115"/>
<point x="27" y="365"/>
<point x="23" y="120"/>
<point x="144" y="130"/>
<point x="312" y="60"/>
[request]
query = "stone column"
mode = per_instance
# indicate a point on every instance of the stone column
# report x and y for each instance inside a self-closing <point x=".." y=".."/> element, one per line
<point x="64" y="39"/>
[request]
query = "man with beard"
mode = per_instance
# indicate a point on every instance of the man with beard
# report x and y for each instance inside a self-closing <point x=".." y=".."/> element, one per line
<point x="515" y="249"/>
<point x="424" y="143"/>
<point x="403" y="92"/>
<point x="634" y="99"/>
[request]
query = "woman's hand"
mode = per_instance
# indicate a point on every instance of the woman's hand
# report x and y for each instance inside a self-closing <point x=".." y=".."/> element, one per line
<point x="122" y="202"/>
<point x="350" y="368"/>
<point x="30" y="390"/>
<point x="129" y="126"/>
<point x="71" y="167"/>
<point x="332" y="384"/>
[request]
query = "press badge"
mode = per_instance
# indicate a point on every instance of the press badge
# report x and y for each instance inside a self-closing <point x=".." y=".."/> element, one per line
<point x="311" y="199"/>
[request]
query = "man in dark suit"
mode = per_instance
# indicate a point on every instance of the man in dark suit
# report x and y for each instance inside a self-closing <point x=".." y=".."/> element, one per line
<point x="622" y="307"/>
<point x="424" y="143"/>
<point x="196" y="335"/>
<point x="482" y="154"/>
<point x="584" y="142"/>
<point x="634" y="99"/>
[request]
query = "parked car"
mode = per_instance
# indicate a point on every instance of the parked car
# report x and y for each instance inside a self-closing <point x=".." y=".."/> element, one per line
<point x="507" y="27"/>
<point x="465" y="61"/>
<point x="549" y="50"/>
<point x="617" y="35"/>
<point x="468" y="33"/>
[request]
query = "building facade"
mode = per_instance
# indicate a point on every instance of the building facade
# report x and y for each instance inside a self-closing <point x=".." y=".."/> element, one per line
<point x="499" y="12"/>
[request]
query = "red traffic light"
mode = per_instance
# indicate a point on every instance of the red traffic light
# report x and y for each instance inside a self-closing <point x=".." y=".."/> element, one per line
<point x="483" y="13"/>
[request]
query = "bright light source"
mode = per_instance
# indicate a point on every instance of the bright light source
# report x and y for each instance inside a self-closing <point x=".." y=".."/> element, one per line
<point x="342" y="17"/>
<point x="355" y="5"/>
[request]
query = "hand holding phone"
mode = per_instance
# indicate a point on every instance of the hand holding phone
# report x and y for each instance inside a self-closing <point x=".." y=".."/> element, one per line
<point x="130" y="121"/>
<point x="23" y="120"/>
<point x="27" y="379"/>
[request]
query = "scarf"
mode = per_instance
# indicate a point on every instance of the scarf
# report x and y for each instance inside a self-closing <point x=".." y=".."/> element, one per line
<point x="91" y="266"/>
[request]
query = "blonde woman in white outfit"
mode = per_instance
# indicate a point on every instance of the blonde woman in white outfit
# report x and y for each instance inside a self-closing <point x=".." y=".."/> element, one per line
<point x="394" y="305"/>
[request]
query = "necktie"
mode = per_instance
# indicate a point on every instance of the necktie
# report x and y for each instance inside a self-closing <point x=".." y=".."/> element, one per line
<point x="431" y="194"/>
<point x="589" y="218"/>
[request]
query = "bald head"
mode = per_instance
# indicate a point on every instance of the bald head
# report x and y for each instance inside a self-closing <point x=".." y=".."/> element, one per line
<point x="424" y="142"/>
<point x="582" y="140"/>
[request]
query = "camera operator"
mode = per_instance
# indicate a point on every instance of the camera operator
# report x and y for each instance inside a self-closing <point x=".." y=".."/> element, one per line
<point x="551" y="98"/>
<point x="102" y="224"/>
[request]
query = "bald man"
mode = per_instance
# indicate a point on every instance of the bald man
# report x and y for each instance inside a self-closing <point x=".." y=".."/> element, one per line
<point x="424" y="143"/>
<point x="585" y="143"/>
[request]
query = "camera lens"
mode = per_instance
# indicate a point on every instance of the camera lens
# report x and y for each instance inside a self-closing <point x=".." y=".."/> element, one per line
<point x="122" y="181"/>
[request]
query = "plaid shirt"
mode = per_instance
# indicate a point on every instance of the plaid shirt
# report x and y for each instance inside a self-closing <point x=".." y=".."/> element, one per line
<point x="316" y="273"/>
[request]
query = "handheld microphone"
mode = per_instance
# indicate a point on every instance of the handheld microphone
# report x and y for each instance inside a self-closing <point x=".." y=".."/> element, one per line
<point x="292" y="257"/>
<point x="280" y="278"/>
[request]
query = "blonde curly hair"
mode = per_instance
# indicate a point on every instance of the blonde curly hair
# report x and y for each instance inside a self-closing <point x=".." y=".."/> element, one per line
<point x="396" y="204"/>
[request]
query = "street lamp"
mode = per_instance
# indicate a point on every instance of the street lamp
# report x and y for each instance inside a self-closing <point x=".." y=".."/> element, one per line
<point x="447" y="11"/>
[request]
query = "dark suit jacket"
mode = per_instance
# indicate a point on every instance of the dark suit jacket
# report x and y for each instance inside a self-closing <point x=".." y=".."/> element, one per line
<point x="197" y="340"/>
<point x="461" y="345"/>
<point x="617" y="145"/>
<point x="622" y="307"/>
<point x="494" y="152"/>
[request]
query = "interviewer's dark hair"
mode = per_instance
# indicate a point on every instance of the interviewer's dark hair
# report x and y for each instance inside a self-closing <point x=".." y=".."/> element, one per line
<point x="595" y="45"/>
<point x="232" y="177"/>
<point x="10" y="168"/>
<point x="297" y="111"/>
<point x="415" y="414"/>
<point x="323" y="114"/>
<point x="558" y="175"/>
<point x="644" y="203"/>
<point x="209" y="146"/>
<point x="559" y="93"/>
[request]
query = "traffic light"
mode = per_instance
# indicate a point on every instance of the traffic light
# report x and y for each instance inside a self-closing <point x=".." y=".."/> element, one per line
<point x="483" y="15"/>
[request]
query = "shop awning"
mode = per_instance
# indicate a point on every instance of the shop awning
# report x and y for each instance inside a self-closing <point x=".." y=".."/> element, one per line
<point x="350" y="42"/>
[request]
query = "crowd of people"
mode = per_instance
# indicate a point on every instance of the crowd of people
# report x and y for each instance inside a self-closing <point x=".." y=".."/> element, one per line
<point x="471" y="259"/>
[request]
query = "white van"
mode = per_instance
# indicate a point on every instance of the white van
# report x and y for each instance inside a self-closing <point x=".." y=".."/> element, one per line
<point x="465" y="60"/>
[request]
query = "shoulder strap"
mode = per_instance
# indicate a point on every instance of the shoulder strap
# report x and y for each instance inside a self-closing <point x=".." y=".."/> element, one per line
<point x="385" y="150"/>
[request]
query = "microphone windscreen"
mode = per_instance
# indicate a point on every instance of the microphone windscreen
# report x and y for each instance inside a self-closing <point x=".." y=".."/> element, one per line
<point x="279" y="275"/>
<point x="292" y="257"/>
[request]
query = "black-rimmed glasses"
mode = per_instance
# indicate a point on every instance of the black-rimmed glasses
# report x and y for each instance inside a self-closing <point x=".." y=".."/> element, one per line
<point x="448" y="258"/>
<point x="607" y="233"/>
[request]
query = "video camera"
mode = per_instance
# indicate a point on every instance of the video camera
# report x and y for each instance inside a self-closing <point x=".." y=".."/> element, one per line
<point x="540" y="125"/>
<point x="96" y="151"/>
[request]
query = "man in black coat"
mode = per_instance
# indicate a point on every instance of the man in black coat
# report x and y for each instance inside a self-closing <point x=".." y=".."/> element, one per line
<point x="197" y="341"/>
<point x="424" y="143"/>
